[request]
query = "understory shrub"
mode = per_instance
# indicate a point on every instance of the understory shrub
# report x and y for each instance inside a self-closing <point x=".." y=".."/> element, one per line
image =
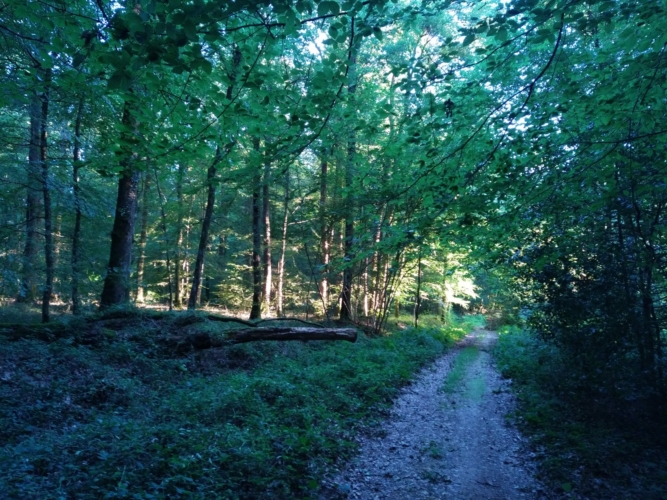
<point x="584" y="444"/>
<point x="125" y="420"/>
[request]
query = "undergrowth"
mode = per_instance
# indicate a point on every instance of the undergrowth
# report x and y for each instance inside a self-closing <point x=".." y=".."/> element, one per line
<point x="583" y="451"/>
<point x="125" y="419"/>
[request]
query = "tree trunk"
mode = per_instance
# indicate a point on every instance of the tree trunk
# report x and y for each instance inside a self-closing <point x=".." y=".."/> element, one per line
<point x="141" y="262"/>
<point x="166" y="241"/>
<point x="346" y="293"/>
<point x="325" y="237"/>
<point x="281" y="265"/>
<point x="76" y="236"/>
<point x="28" y="286"/>
<point x="256" y="310"/>
<point x="117" y="281"/>
<point x="444" y="314"/>
<point x="268" y="279"/>
<point x="179" y="239"/>
<point x="46" y="189"/>
<point x="418" y="297"/>
<point x="203" y="240"/>
<point x="292" y="333"/>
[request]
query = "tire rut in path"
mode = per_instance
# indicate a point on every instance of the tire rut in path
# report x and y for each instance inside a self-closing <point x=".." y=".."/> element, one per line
<point x="446" y="438"/>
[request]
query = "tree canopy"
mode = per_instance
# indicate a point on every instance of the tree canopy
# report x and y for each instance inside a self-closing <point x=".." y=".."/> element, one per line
<point x="340" y="157"/>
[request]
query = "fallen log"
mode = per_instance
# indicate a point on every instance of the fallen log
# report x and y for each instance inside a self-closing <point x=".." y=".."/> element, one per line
<point x="299" y="320"/>
<point x="291" y="333"/>
<point x="204" y="340"/>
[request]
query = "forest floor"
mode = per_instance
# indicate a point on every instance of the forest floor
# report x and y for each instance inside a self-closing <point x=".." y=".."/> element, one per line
<point x="447" y="437"/>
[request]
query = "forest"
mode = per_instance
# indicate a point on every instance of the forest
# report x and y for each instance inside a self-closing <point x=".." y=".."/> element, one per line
<point x="174" y="170"/>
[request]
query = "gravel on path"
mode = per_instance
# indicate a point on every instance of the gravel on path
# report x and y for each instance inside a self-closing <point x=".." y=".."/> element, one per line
<point x="447" y="438"/>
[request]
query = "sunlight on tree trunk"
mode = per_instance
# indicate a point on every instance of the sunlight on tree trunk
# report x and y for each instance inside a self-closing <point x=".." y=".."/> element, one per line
<point x="141" y="261"/>
<point x="266" y="209"/>
<point x="281" y="264"/>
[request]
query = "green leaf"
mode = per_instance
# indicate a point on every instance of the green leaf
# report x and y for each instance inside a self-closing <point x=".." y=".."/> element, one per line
<point x="78" y="59"/>
<point x="328" y="7"/>
<point x="378" y="33"/>
<point x="120" y="80"/>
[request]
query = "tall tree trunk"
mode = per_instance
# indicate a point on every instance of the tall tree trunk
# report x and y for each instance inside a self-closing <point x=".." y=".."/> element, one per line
<point x="444" y="313"/>
<point x="268" y="271"/>
<point x="46" y="189"/>
<point x="418" y="296"/>
<point x="346" y="293"/>
<point x="141" y="261"/>
<point x="28" y="286"/>
<point x="325" y="237"/>
<point x="203" y="239"/>
<point x="256" y="310"/>
<point x="163" y="217"/>
<point x="281" y="263"/>
<point x="57" y="247"/>
<point x="179" y="239"/>
<point x="117" y="281"/>
<point x="76" y="236"/>
<point x="365" y="285"/>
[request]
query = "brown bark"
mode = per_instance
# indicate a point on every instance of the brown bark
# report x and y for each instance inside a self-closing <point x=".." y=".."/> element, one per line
<point x="179" y="240"/>
<point x="46" y="190"/>
<point x="281" y="263"/>
<point x="166" y="242"/>
<point x="141" y="261"/>
<point x="325" y="237"/>
<point x="203" y="239"/>
<point x="256" y="310"/>
<point x="418" y="297"/>
<point x="266" y="209"/>
<point x="346" y="293"/>
<point x="292" y="333"/>
<point x="28" y="286"/>
<point x="76" y="236"/>
<point x="117" y="281"/>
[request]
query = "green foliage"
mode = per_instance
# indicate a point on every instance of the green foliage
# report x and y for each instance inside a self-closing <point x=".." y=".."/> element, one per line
<point x="579" y="444"/>
<point x="127" y="420"/>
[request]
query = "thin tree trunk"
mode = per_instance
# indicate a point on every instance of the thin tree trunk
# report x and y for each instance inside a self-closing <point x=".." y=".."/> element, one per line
<point x="346" y="293"/>
<point x="76" y="236"/>
<point x="117" y="281"/>
<point x="281" y="265"/>
<point x="365" y="286"/>
<point x="141" y="262"/>
<point x="57" y="244"/>
<point x="268" y="271"/>
<point x="418" y="297"/>
<point x="179" y="238"/>
<point x="46" y="189"/>
<point x="166" y="240"/>
<point x="28" y="287"/>
<point x="443" y="310"/>
<point x="325" y="237"/>
<point x="256" y="310"/>
<point x="203" y="240"/>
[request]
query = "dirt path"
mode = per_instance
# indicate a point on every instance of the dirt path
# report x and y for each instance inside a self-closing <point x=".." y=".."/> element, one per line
<point x="447" y="438"/>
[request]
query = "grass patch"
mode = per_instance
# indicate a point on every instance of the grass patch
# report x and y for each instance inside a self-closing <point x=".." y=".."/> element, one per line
<point x="125" y="418"/>
<point x="462" y="362"/>
<point x="579" y="449"/>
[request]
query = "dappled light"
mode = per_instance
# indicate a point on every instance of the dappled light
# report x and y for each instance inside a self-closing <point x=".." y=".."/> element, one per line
<point x="233" y="231"/>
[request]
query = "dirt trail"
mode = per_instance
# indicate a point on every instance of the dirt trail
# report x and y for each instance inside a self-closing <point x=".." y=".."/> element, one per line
<point x="446" y="438"/>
